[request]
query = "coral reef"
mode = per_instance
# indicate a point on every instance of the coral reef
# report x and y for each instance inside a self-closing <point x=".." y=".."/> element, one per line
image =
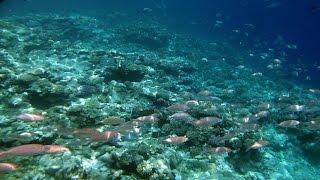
<point x="87" y="77"/>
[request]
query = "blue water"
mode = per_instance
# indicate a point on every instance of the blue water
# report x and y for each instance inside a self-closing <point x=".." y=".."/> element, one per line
<point x="160" y="89"/>
<point x="293" y="20"/>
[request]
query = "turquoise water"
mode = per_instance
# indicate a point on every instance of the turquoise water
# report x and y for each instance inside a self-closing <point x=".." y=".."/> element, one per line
<point x="140" y="91"/>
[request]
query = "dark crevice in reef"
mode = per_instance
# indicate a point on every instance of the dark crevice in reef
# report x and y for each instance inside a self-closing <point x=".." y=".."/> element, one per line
<point x="47" y="100"/>
<point x="310" y="143"/>
<point x="123" y="74"/>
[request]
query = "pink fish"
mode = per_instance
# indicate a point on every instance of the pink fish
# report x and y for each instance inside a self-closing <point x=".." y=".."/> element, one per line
<point x="7" y="167"/>
<point x="32" y="149"/>
<point x="23" y="150"/>
<point x="107" y="136"/>
<point x="55" y="149"/>
<point x="176" y="140"/>
<point x="84" y="132"/>
<point x="78" y="133"/>
<point x="30" y="117"/>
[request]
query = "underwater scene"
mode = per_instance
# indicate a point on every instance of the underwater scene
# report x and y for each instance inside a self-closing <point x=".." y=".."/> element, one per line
<point x="159" y="89"/>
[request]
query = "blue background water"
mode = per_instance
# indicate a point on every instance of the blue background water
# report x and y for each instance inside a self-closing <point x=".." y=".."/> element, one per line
<point x="292" y="19"/>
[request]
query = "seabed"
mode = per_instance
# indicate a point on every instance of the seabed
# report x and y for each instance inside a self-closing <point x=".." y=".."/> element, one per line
<point x="174" y="99"/>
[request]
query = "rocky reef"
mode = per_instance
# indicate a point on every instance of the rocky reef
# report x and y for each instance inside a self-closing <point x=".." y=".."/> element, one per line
<point x="185" y="108"/>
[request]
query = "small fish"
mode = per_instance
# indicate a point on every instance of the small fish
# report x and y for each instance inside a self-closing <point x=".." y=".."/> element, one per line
<point x="180" y="116"/>
<point x="292" y="46"/>
<point x="84" y="132"/>
<point x="205" y="93"/>
<point x="147" y="10"/>
<point x="55" y="149"/>
<point x="78" y="133"/>
<point x="264" y="106"/>
<point x="258" y="144"/>
<point x="216" y="140"/>
<point x="129" y="126"/>
<point x="250" y="25"/>
<point x="30" y="117"/>
<point x="215" y="99"/>
<point x="262" y="114"/>
<point x="229" y="91"/>
<point x="207" y="121"/>
<point x="23" y="150"/>
<point x="289" y="123"/>
<point x="274" y="5"/>
<point x="129" y="130"/>
<point x="296" y="108"/>
<point x="192" y="103"/>
<point x="32" y="149"/>
<point x="178" y="107"/>
<point x="315" y="91"/>
<point x="151" y="119"/>
<point x="258" y="116"/>
<point x="257" y="74"/>
<point x="7" y="167"/>
<point x="220" y="150"/>
<point x="108" y="136"/>
<point x="175" y="140"/>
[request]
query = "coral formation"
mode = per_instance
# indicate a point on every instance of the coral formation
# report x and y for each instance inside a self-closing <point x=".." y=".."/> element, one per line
<point x="148" y="84"/>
